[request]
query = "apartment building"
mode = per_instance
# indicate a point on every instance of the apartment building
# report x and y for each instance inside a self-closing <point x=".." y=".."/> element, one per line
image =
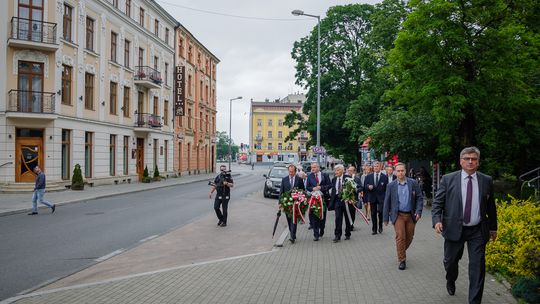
<point x="268" y="131"/>
<point x="89" y="83"/>
<point x="195" y="130"/>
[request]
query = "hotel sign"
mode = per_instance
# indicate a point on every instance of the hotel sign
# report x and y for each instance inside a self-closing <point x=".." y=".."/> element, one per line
<point x="179" y="92"/>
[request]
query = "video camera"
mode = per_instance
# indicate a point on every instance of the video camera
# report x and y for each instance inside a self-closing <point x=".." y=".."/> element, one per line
<point x="223" y="176"/>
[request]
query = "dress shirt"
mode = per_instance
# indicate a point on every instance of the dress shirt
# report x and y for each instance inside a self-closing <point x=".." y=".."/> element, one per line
<point x="475" y="207"/>
<point x="404" y="198"/>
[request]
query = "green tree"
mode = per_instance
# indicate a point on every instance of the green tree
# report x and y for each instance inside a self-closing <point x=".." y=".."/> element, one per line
<point x="473" y="67"/>
<point x="222" y="146"/>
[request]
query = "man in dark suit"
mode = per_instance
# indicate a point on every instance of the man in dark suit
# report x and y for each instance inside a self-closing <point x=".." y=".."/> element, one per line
<point x="389" y="169"/>
<point x="464" y="211"/>
<point x="318" y="181"/>
<point x="337" y="204"/>
<point x="403" y="204"/>
<point x="288" y="183"/>
<point x="375" y="185"/>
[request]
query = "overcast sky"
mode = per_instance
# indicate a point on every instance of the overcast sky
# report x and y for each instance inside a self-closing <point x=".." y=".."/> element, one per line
<point x="255" y="54"/>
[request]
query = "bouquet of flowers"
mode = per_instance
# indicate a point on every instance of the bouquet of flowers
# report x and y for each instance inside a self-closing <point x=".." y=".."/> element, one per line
<point x="349" y="191"/>
<point x="316" y="204"/>
<point x="294" y="204"/>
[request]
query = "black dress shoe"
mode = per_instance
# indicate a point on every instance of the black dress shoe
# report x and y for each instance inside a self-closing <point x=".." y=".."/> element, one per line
<point x="335" y="240"/>
<point x="451" y="287"/>
<point x="292" y="241"/>
<point x="32" y="213"/>
<point x="380" y="229"/>
<point x="402" y="265"/>
<point x="347" y="238"/>
<point x="321" y="233"/>
<point x="219" y="223"/>
<point x="53" y="208"/>
<point x="352" y="227"/>
<point x="223" y="224"/>
<point x="310" y="227"/>
<point x="373" y="232"/>
<point x="316" y="239"/>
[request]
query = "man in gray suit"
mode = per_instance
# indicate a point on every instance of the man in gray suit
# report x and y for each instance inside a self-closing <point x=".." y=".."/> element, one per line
<point x="403" y="204"/>
<point x="464" y="211"/>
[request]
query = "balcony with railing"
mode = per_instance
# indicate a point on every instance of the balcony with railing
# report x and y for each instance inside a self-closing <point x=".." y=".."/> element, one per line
<point x="33" y="34"/>
<point x="258" y="138"/>
<point x="148" y="77"/>
<point x="31" y="104"/>
<point x="146" y="122"/>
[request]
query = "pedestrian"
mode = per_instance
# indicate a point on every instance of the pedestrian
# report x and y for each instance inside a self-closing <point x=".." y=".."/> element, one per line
<point x="289" y="182"/>
<point x="375" y="185"/>
<point x="464" y="211"/>
<point x="39" y="192"/>
<point x="222" y="185"/>
<point x="318" y="181"/>
<point x="338" y="205"/>
<point x="366" y="170"/>
<point x="252" y="166"/>
<point x="389" y="169"/>
<point x="351" y="170"/>
<point x="403" y="204"/>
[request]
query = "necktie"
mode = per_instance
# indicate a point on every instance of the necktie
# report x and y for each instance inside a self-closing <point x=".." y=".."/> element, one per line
<point x="376" y="179"/>
<point x="317" y="178"/>
<point x="339" y="185"/>
<point x="468" y="202"/>
<point x="291" y="179"/>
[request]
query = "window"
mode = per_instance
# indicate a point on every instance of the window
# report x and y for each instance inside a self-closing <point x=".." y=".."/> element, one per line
<point x="166" y="112"/>
<point x="112" y="155"/>
<point x="88" y="91"/>
<point x="280" y="122"/>
<point x="290" y="147"/>
<point x="259" y="122"/>
<point x="88" y="154"/>
<point x="114" y="37"/>
<point x="112" y="98"/>
<point x="167" y="35"/>
<point x="200" y="121"/>
<point x="269" y="134"/>
<point x="201" y="90"/>
<point x="126" y="155"/>
<point x="190" y="54"/>
<point x="156" y="27"/>
<point x="166" y="73"/>
<point x="128" y="8"/>
<point x="67" y="22"/>
<point x="280" y="134"/>
<point x="206" y="123"/>
<point x="115" y="3"/>
<point x="89" y="33"/>
<point x="270" y="146"/>
<point x="206" y="66"/>
<point x="189" y="118"/>
<point x="280" y="146"/>
<point x="156" y="144"/>
<point x="140" y="61"/>
<point x="126" y="52"/>
<point x="156" y="63"/>
<point x="156" y="106"/>
<point x="125" y="105"/>
<point x="206" y="94"/>
<point x="66" y="85"/>
<point x="66" y="143"/>
<point x="166" y="154"/>
<point x="189" y="85"/>
<point x="269" y="122"/>
<point x="141" y="17"/>
<point x="181" y="47"/>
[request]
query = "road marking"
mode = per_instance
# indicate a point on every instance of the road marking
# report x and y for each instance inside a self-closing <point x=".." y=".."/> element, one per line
<point x="148" y="238"/>
<point x="110" y="255"/>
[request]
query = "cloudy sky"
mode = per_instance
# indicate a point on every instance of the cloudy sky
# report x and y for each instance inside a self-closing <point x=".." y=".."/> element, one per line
<point x="255" y="54"/>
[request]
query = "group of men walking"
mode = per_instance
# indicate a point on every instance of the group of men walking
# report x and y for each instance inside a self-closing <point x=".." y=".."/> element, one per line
<point x="463" y="210"/>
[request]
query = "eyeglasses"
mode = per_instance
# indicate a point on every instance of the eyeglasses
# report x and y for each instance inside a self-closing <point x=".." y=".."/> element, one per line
<point x="470" y="159"/>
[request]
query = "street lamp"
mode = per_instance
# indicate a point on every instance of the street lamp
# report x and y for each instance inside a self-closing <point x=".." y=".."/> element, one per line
<point x="230" y="125"/>
<point x="301" y="13"/>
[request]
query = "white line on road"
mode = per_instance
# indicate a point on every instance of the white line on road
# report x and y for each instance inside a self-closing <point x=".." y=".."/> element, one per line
<point x="110" y="255"/>
<point x="148" y="238"/>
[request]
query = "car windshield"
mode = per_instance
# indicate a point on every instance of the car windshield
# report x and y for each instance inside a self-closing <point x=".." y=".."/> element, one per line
<point x="278" y="172"/>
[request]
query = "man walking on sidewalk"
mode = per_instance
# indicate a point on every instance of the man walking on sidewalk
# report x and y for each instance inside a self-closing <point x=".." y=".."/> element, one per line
<point x="318" y="181"/>
<point x="39" y="192"/>
<point x="403" y="203"/>
<point x="464" y="211"/>
<point x="338" y="205"/>
<point x="222" y="184"/>
<point x="375" y="185"/>
<point x="288" y="183"/>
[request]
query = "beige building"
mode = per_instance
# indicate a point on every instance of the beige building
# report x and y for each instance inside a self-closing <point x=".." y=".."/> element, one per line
<point x="268" y="132"/>
<point x="86" y="82"/>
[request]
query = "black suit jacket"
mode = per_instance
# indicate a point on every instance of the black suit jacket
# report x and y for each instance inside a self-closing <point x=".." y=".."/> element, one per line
<point x="335" y="198"/>
<point x="286" y="184"/>
<point x="448" y="206"/>
<point x="325" y="184"/>
<point x="375" y="195"/>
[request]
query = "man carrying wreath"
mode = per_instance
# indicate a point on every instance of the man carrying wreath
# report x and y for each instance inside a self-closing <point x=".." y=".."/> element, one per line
<point x="288" y="183"/>
<point x="339" y="205"/>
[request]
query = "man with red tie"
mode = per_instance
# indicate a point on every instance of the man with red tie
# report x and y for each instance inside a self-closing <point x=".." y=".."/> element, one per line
<point x="318" y="181"/>
<point x="464" y="212"/>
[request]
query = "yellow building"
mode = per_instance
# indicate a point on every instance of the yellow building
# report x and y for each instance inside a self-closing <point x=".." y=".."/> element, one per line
<point x="268" y="131"/>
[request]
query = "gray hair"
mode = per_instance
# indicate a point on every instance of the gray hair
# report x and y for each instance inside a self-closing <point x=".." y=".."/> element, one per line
<point x="339" y="166"/>
<point x="469" y="150"/>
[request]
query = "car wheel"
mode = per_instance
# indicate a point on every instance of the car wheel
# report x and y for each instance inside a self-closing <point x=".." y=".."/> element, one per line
<point x="265" y="192"/>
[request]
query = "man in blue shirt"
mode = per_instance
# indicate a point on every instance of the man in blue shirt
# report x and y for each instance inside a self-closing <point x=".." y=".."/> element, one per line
<point x="403" y="204"/>
<point x="39" y="192"/>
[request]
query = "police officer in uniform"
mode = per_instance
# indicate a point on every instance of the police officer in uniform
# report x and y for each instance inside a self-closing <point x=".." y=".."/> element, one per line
<point x="222" y="185"/>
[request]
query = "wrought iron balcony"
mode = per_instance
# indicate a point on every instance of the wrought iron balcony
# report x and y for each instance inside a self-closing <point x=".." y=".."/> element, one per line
<point x="31" y="102"/>
<point x="148" y="77"/>
<point x="33" y="34"/>
<point x="145" y="120"/>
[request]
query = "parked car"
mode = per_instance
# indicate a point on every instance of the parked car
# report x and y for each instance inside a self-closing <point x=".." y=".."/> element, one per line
<point x="273" y="180"/>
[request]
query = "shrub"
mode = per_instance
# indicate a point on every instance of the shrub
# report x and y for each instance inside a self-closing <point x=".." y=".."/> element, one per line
<point x="145" y="173"/>
<point x="156" y="172"/>
<point x="527" y="289"/>
<point x="145" y="177"/>
<point x="516" y="252"/>
<point x="77" y="182"/>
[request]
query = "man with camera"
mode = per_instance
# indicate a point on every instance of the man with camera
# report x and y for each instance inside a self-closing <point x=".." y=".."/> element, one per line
<point x="222" y="184"/>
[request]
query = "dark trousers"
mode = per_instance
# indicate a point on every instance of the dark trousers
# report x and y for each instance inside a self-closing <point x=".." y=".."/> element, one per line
<point x="292" y="228"/>
<point x="476" y="247"/>
<point x="352" y="210"/>
<point x="340" y="214"/>
<point x="317" y="224"/>
<point x="224" y="203"/>
<point x="376" y="216"/>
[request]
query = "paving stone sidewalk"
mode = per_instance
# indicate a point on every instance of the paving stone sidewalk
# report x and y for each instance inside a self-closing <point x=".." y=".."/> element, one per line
<point x="362" y="270"/>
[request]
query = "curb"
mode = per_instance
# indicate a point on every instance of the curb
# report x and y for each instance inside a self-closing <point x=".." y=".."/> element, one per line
<point x="282" y="238"/>
<point x="120" y="192"/>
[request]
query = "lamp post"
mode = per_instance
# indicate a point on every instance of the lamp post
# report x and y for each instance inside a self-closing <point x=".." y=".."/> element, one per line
<point x="230" y="125"/>
<point x="301" y="13"/>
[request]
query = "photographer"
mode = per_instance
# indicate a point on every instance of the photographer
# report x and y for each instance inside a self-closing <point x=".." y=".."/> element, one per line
<point x="222" y="184"/>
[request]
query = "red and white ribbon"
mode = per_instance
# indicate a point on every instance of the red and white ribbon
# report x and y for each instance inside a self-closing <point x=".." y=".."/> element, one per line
<point x="316" y="199"/>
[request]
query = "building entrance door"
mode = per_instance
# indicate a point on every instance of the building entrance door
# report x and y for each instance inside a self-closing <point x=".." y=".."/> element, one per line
<point x="140" y="157"/>
<point x="28" y="155"/>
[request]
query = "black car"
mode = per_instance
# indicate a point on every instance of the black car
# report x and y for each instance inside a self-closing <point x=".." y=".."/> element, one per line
<point x="273" y="180"/>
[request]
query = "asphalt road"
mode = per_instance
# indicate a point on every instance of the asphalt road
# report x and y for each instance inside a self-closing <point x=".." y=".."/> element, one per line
<point x="35" y="250"/>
